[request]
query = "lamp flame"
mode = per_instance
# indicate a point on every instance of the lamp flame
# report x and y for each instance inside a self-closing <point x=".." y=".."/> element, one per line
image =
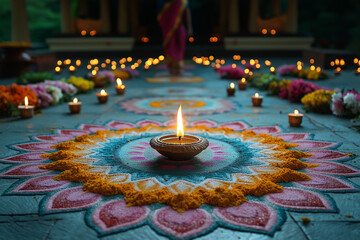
<point x="75" y="100"/>
<point x="243" y="80"/>
<point x="296" y="111"/>
<point x="26" y="101"/>
<point x="102" y="92"/>
<point x="180" y="125"/>
<point x="119" y="82"/>
<point x="256" y="95"/>
<point x="232" y="85"/>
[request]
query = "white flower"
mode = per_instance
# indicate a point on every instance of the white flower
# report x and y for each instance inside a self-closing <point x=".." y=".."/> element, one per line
<point x="351" y="103"/>
<point x="55" y="92"/>
<point x="336" y="97"/>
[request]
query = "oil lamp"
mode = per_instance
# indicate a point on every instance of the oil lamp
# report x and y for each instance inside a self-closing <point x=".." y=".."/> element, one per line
<point x="120" y="88"/>
<point x="242" y="84"/>
<point x="256" y="100"/>
<point x="179" y="146"/>
<point x="295" y="118"/>
<point x="74" y="106"/>
<point x="231" y="89"/>
<point x="102" y="96"/>
<point x="26" y="110"/>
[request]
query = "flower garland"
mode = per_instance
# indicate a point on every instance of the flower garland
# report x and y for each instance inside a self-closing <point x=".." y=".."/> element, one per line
<point x="346" y="103"/>
<point x="27" y="78"/>
<point x="13" y="96"/>
<point x="81" y="84"/>
<point x="318" y="101"/>
<point x="263" y="81"/>
<point x="307" y="73"/>
<point x="228" y="72"/>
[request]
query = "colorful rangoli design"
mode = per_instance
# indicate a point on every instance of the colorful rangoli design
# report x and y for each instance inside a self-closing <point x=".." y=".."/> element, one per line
<point x="169" y="105"/>
<point x="122" y="156"/>
<point x="176" y="91"/>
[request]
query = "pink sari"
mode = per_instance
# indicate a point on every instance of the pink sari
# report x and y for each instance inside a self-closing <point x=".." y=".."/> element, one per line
<point x="174" y="33"/>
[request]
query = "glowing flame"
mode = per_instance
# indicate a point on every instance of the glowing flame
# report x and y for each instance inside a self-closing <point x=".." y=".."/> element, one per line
<point x="103" y="93"/>
<point x="26" y="101"/>
<point x="180" y="125"/>
<point x="119" y="82"/>
<point x="243" y="80"/>
<point x="75" y="100"/>
<point x="296" y="112"/>
<point x="272" y="69"/>
<point x="256" y="95"/>
<point x="232" y="85"/>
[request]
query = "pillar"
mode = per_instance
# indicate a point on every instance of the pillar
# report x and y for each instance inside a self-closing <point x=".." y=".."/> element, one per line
<point x="122" y="24"/>
<point x="233" y="22"/>
<point x="65" y="16"/>
<point x="253" y="16"/>
<point x="275" y="8"/>
<point x="19" y="21"/>
<point x="105" y="16"/>
<point x="292" y="16"/>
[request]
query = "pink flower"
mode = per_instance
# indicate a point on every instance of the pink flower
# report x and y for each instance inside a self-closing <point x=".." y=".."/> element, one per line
<point x="286" y="69"/>
<point x="231" y="73"/>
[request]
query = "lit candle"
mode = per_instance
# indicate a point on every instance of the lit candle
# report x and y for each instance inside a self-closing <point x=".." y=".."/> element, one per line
<point x="231" y="89"/>
<point x="242" y="84"/>
<point x="256" y="100"/>
<point x="57" y="70"/>
<point x="357" y="71"/>
<point x="74" y="106"/>
<point x="180" y="146"/>
<point x="102" y="96"/>
<point x="295" y="118"/>
<point x="26" y="110"/>
<point x="272" y="70"/>
<point x="337" y="71"/>
<point x="72" y="69"/>
<point x="120" y="88"/>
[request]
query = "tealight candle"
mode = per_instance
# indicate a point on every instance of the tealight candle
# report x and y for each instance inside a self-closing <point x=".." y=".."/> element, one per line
<point x="272" y="70"/>
<point x="256" y="100"/>
<point x="231" y="89"/>
<point x="72" y="69"/>
<point x="295" y="118"/>
<point x="102" y="96"/>
<point x="180" y="146"/>
<point x="337" y="71"/>
<point x="242" y="84"/>
<point x="26" y="110"/>
<point x="57" y="70"/>
<point x="357" y="71"/>
<point x="74" y="106"/>
<point x="120" y="88"/>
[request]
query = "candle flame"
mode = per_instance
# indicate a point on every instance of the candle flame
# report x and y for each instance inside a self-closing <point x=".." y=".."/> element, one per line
<point x="102" y="92"/>
<point x="256" y="94"/>
<point x="180" y="125"/>
<point x="232" y="85"/>
<point x="26" y="101"/>
<point x="75" y="100"/>
<point x="118" y="81"/>
<point x="296" y="111"/>
<point x="243" y="80"/>
<point x="272" y="69"/>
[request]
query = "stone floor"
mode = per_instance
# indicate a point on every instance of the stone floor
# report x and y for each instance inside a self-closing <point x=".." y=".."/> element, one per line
<point x="19" y="218"/>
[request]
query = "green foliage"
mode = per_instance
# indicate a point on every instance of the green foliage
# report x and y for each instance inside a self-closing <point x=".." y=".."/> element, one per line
<point x="29" y="78"/>
<point x="263" y="82"/>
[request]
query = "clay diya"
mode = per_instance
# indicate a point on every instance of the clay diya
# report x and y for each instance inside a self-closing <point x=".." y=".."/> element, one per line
<point x="256" y="100"/>
<point x="231" y="89"/>
<point x="337" y="71"/>
<point x="272" y="70"/>
<point x="295" y="118"/>
<point x="242" y="84"/>
<point x="120" y="88"/>
<point x="74" y="106"/>
<point x="357" y="71"/>
<point x="181" y="146"/>
<point x="26" y="110"/>
<point x="102" y="96"/>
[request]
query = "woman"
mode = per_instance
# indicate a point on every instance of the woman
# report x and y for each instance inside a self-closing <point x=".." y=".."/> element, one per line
<point x="170" y="18"/>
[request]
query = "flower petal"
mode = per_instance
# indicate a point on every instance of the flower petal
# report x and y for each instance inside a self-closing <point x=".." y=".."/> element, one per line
<point x="40" y="184"/>
<point x="92" y="128"/>
<point x="35" y="146"/>
<point x="326" y="155"/>
<point x="53" y="138"/>
<point x="299" y="199"/>
<point x="309" y="144"/>
<point x="267" y="130"/>
<point x="71" y="198"/>
<point x="207" y="123"/>
<point x="72" y="132"/>
<point x="25" y="157"/>
<point x="182" y="225"/>
<point x="115" y="215"/>
<point x="25" y="170"/>
<point x="254" y="215"/>
<point x="148" y="122"/>
<point x="235" y="125"/>
<point x="293" y="136"/>
<point x="120" y="125"/>
<point x="333" y="168"/>
<point x="326" y="183"/>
